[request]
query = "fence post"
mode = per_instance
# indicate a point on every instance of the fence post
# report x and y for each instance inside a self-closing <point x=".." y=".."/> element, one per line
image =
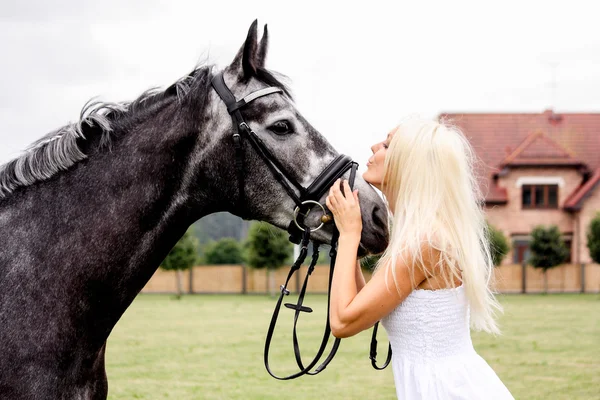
<point x="244" y="279"/>
<point x="267" y="288"/>
<point x="582" y="278"/>
<point x="523" y="277"/>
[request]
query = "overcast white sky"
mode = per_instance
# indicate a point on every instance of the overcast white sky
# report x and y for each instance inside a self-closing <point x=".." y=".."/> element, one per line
<point x="355" y="68"/>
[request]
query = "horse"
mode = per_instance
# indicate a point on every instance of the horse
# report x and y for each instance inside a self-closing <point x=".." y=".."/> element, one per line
<point x="89" y="211"/>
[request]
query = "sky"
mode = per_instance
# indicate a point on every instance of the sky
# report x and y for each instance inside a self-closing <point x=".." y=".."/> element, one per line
<point x="356" y="68"/>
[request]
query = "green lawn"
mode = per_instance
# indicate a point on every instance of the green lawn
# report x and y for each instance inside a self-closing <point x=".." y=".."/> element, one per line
<point x="210" y="347"/>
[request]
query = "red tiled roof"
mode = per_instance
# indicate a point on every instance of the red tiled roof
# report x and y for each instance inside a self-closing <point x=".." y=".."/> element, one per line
<point x="539" y="150"/>
<point x="575" y="200"/>
<point x="496" y="194"/>
<point x="496" y="137"/>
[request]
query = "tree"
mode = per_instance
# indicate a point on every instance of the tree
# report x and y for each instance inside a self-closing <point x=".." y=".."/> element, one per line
<point x="593" y="238"/>
<point x="219" y="225"/>
<point x="181" y="257"/>
<point x="224" y="251"/>
<point x="499" y="246"/>
<point x="548" y="250"/>
<point x="267" y="247"/>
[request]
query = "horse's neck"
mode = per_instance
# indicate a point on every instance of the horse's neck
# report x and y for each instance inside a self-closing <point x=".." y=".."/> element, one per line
<point x="91" y="237"/>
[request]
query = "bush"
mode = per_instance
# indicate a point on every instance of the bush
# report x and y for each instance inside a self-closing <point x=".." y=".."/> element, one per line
<point x="593" y="238"/>
<point x="548" y="249"/>
<point x="267" y="246"/>
<point x="224" y="251"/>
<point x="499" y="246"/>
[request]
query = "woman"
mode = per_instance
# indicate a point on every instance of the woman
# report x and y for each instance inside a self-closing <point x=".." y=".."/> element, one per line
<point x="432" y="282"/>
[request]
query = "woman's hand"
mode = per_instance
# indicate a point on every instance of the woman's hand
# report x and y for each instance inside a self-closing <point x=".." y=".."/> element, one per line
<point x="345" y="209"/>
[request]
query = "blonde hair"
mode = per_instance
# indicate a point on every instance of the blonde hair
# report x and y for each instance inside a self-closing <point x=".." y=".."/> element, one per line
<point x="430" y="183"/>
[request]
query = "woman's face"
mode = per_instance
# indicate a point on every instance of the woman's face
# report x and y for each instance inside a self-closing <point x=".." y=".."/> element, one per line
<point x="375" y="166"/>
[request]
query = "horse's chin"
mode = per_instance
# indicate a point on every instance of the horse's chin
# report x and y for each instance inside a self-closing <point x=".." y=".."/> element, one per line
<point x="362" y="252"/>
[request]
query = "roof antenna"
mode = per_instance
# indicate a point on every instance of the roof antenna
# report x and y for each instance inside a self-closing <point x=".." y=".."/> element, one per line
<point x="553" y="85"/>
<point x="553" y="118"/>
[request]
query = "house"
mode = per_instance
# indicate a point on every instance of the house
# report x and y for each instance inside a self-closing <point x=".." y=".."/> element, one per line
<point x="537" y="169"/>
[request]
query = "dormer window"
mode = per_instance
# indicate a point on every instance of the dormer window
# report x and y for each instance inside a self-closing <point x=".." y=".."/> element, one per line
<point x="540" y="196"/>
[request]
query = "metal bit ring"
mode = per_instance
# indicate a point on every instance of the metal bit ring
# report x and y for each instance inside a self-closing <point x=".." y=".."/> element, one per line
<point x="297" y="210"/>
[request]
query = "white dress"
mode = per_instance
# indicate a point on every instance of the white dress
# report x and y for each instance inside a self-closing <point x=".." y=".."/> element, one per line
<point x="433" y="357"/>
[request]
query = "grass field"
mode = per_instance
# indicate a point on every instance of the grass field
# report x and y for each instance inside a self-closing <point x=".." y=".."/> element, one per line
<point x="210" y="347"/>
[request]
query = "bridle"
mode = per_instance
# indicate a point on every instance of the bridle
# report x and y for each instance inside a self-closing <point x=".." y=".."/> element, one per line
<point x="299" y="232"/>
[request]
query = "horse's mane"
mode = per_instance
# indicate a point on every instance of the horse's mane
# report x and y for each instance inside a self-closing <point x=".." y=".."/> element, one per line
<point x="58" y="150"/>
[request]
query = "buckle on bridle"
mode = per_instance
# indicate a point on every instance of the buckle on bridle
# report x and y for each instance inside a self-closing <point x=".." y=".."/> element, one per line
<point x="237" y="140"/>
<point x="244" y="126"/>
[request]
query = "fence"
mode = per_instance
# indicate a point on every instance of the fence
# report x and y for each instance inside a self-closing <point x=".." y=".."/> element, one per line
<point x="568" y="278"/>
<point x="238" y="279"/>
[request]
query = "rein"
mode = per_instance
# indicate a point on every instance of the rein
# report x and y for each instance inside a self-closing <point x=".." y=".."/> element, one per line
<point x="307" y="199"/>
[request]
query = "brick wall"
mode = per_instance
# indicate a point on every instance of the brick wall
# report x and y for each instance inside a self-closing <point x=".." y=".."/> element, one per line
<point x="591" y="206"/>
<point x="512" y="219"/>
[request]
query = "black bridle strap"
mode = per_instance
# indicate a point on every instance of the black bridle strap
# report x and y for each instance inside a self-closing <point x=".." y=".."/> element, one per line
<point x="330" y="174"/>
<point x="285" y="292"/>
<point x="337" y="341"/>
<point x="326" y="333"/>
<point x="299" y="307"/>
<point x="242" y="128"/>
<point x="314" y="192"/>
<point x="274" y="166"/>
<point x="336" y="169"/>
<point x="373" y="350"/>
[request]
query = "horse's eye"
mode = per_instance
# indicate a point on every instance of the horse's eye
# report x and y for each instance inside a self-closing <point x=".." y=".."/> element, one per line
<point x="281" y="128"/>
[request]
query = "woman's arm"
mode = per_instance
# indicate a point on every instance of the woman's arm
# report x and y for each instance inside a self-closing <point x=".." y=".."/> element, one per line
<point x="353" y="310"/>
<point x="344" y="285"/>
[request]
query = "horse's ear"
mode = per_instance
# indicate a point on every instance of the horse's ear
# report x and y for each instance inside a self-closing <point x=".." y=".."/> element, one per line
<point x="263" y="46"/>
<point x="245" y="60"/>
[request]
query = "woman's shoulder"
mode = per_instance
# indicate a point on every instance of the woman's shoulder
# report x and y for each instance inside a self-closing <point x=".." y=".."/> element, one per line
<point x="438" y="266"/>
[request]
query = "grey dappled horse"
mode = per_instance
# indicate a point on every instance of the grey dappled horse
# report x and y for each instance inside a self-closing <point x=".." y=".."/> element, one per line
<point x="89" y="211"/>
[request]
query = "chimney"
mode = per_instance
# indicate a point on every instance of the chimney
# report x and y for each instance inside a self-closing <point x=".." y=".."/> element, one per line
<point x="553" y="118"/>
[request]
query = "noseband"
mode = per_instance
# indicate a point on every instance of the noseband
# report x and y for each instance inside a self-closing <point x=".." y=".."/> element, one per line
<point x="299" y="233"/>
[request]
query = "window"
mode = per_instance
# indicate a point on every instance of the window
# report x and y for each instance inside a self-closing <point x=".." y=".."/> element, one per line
<point x="540" y="196"/>
<point x="568" y="243"/>
<point x="520" y="251"/>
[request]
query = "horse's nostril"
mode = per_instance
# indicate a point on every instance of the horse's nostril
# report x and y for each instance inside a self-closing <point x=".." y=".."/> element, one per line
<point x="378" y="217"/>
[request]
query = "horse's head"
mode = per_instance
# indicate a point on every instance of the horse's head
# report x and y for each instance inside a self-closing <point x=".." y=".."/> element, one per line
<point x="299" y="149"/>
